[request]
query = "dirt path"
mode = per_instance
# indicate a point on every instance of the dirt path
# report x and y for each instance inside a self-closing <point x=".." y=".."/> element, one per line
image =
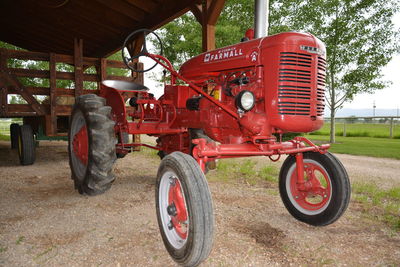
<point x="44" y="221"/>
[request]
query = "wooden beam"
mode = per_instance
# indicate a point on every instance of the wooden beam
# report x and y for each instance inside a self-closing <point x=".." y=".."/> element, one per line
<point x="51" y="127"/>
<point x="120" y="78"/>
<point x="208" y="31"/>
<point x="138" y="76"/>
<point x="214" y="11"/>
<point x="46" y="74"/>
<point x="12" y="108"/>
<point x="63" y="110"/>
<point x="208" y="34"/>
<point x="46" y="91"/>
<point x="3" y="85"/>
<point x="197" y="12"/>
<point x="23" y="91"/>
<point x="208" y="16"/>
<point x="3" y="101"/>
<point x="27" y="55"/>
<point x="78" y="64"/>
<point x="102" y="72"/>
<point x="115" y="64"/>
<point x="33" y="90"/>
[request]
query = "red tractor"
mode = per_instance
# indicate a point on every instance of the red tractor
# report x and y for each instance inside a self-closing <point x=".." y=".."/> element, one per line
<point x="235" y="101"/>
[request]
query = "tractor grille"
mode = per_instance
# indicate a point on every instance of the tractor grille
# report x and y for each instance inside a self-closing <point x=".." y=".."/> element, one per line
<point x="295" y="94"/>
<point x="321" y="86"/>
<point x="294" y="90"/>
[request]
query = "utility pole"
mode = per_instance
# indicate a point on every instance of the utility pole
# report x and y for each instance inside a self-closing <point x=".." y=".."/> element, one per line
<point x="373" y="108"/>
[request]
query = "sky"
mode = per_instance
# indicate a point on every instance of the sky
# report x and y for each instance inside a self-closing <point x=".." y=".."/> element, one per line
<point x="388" y="98"/>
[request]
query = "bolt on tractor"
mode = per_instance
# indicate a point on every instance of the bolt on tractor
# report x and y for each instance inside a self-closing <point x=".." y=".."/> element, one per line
<point x="235" y="101"/>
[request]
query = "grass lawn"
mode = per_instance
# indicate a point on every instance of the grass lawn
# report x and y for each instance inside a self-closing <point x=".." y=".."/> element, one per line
<point x="361" y="130"/>
<point x="367" y="146"/>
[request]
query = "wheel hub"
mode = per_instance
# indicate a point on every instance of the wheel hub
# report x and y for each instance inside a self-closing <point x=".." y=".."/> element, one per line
<point x="316" y="190"/>
<point x="177" y="208"/>
<point x="80" y="145"/>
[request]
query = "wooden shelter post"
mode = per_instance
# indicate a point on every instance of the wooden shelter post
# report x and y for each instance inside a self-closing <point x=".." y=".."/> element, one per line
<point x="207" y="15"/>
<point x="51" y="119"/>
<point x="3" y="87"/>
<point x="78" y="63"/>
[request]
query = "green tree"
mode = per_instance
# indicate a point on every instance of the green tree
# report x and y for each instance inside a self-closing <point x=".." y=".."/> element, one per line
<point x="360" y="39"/>
<point x="359" y="35"/>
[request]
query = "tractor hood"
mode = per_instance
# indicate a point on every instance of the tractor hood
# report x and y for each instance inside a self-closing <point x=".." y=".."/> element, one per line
<point x="242" y="55"/>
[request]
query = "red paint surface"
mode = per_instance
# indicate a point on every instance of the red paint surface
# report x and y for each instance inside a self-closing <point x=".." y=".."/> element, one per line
<point x="179" y="221"/>
<point x="80" y="145"/>
<point x="287" y="81"/>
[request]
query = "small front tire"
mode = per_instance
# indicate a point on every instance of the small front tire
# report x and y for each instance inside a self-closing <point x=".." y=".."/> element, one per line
<point x="327" y="192"/>
<point x="184" y="209"/>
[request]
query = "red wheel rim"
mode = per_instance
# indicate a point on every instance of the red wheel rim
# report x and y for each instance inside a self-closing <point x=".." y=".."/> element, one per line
<point x="80" y="145"/>
<point x="177" y="199"/>
<point x="317" y="190"/>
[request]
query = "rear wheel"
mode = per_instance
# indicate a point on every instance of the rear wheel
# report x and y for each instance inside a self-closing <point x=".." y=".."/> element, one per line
<point x="91" y="145"/>
<point x="184" y="209"/>
<point x="26" y="145"/>
<point x="326" y="194"/>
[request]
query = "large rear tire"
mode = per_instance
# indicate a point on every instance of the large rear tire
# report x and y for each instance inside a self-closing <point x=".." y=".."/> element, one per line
<point x="26" y="145"/>
<point x="327" y="192"/>
<point x="184" y="209"/>
<point x="91" y="145"/>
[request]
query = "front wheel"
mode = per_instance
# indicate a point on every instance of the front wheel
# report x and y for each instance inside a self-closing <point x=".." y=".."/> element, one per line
<point x="184" y="209"/>
<point x="326" y="192"/>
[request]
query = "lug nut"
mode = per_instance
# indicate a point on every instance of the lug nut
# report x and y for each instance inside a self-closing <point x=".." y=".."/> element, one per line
<point x="171" y="210"/>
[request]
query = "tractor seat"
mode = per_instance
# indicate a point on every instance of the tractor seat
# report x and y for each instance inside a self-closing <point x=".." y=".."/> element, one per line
<point x="125" y="86"/>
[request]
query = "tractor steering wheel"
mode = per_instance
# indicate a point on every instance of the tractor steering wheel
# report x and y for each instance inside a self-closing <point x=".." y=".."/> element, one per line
<point x="128" y="59"/>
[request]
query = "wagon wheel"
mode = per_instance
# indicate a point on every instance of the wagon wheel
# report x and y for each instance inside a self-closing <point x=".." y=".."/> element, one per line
<point x="26" y="145"/>
<point x="184" y="209"/>
<point x="327" y="192"/>
<point x="91" y="145"/>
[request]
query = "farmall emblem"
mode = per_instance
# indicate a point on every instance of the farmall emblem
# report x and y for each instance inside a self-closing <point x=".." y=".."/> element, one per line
<point x="253" y="56"/>
<point x="223" y="54"/>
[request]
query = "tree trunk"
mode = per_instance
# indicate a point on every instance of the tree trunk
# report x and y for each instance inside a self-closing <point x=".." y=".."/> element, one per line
<point x="333" y="128"/>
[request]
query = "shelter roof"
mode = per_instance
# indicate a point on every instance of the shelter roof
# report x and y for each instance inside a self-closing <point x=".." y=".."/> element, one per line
<point x="52" y="25"/>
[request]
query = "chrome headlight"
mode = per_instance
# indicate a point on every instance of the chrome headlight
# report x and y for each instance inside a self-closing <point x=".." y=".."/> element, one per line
<point x="245" y="100"/>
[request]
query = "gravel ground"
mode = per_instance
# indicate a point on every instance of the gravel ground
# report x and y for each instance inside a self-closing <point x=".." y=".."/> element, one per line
<point x="45" y="222"/>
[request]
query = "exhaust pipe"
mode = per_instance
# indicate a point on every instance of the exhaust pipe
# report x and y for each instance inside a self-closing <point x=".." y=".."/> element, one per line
<point x="261" y="18"/>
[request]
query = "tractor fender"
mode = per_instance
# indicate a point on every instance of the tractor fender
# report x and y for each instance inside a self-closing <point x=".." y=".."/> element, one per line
<point x="115" y="100"/>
